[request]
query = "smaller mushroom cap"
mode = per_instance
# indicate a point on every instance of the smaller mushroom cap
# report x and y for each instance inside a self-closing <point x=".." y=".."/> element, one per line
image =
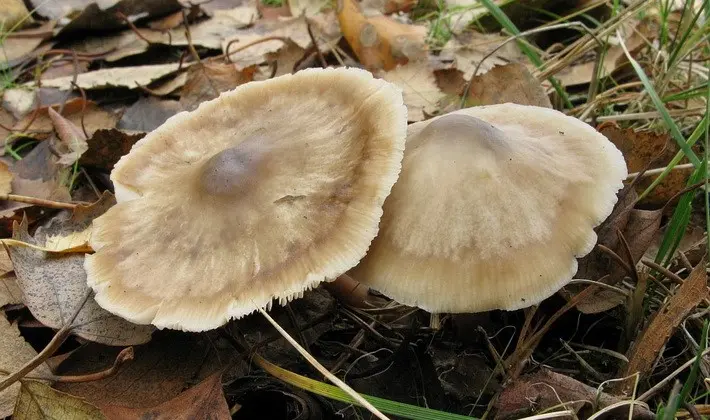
<point x="492" y="208"/>
<point x="259" y="194"/>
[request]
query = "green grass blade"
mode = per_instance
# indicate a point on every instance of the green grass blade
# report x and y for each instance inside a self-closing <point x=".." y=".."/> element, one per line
<point x="394" y="408"/>
<point x="690" y="381"/>
<point x="658" y="103"/>
<point x="680" y="219"/>
<point x="694" y="137"/>
<point x="506" y="23"/>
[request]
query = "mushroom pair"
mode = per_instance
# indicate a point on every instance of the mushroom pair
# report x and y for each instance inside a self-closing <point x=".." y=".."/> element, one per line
<point x="279" y="185"/>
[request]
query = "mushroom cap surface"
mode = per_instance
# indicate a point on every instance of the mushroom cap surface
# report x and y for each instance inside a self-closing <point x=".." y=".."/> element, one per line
<point x="259" y="194"/>
<point x="492" y="208"/>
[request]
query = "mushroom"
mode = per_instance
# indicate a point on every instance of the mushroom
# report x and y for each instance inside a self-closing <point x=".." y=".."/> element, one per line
<point x="257" y="195"/>
<point x="492" y="208"/>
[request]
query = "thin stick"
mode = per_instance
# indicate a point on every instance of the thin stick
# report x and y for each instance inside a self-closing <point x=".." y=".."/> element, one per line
<point x="657" y="171"/>
<point x="228" y="54"/>
<point x="658" y="386"/>
<point x="38" y="201"/>
<point x="126" y="355"/>
<point x="49" y="350"/>
<point x="322" y="370"/>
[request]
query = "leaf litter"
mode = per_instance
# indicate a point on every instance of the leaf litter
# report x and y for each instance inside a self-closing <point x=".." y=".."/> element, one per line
<point x="107" y="78"/>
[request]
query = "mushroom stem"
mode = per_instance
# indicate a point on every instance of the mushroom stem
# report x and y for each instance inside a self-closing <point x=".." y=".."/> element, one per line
<point x="38" y="201"/>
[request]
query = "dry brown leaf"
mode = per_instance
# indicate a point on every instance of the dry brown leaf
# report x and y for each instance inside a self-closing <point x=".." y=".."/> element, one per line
<point x="40" y="401"/>
<point x="94" y="118"/>
<point x="13" y="15"/>
<point x="106" y="147"/>
<point x="170" y="86"/>
<point x="5" y="179"/>
<point x="641" y="148"/>
<point x="19" y="101"/>
<point x="388" y="7"/>
<point x="14" y="353"/>
<point x="419" y="89"/>
<point x="286" y="58"/>
<point x="148" y="113"/>
<point x="532" y="394"/>
<point x="5" y="263"/>
<point x="6" y="120"/>
<point x="10" y="293"/>
<point x="294" y="29"/>
<point x="203" y="401"/>
<point x="206" y="80"/>
<point x="71" y="137"/>
<point x="59" y="69"/>
<point x="466" y="53"/>
<point x="208" y="33"/>
<point x="509" y="83"/>
<point x="15" y="49"/>
<point x="54" y="286"/>
<point x="649" y="343"/>
<point x="160" y="370"/>
<point x="307" y="7"/>
<point x="168" y="22"/>
<point x="379" y="41"/>
<point x="128" y="77"/>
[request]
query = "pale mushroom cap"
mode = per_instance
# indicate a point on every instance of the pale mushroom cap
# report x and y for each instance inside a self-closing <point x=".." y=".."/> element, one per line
<point x="259" y="194"/>
<point x="492" y="208"/>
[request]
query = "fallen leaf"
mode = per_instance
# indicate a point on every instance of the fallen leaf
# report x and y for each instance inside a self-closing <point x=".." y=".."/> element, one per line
<point x="6" y="120"/>
<point x="20" y="45"/>
<point x="14" y="353"/>
<point x="461" y="13"/>
<point x="509" y="83"/>
<point x="148" y="113"/>
<point x="204" y="400"/>
<point x="10" y="293"/>
<point x="128" y="77"/>
<point x="641" y="148"/>
<point x="169" y="86"/>
<point x="57" y="69"/>
<point x="379" y="41"/>
<point x="419" y="89"/>
<point x="209" y="33"/>
<point x="19" y="101"/>
<point x="273" y="13"/>
<point x="206" y="80"/>
<point x="168" y="22"/>
<point x="643" y="353"/>
<point x="246" y="48"/>
<point x="286" y="58"/>
<point x="106" y="147"/>
<point x="13" y="15"/>
<point x="388" y="7"/>
<point x="71" y="137"/>
<point x="468" y="52"/>
<point x="307" y="8"/>
<point x="5" y="179"/>
<point x="159" y="371"/>
<point x="40" y="276"/>
<point x="545" y="389"/>
<point x="75" y="110"/>
<point x="5" y="263"/>
<point x="40" y="401"/>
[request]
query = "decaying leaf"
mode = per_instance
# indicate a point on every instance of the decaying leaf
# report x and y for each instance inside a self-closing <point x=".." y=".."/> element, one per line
<point x="5" y="179"/>
<point x="509" y="83"/>
<point x="206" y="80"/>
<point x="19" y="101"/>
<point x="468" y="52"/>
<point x="20" y="44"/>
<point x="106" y="147"/>
<point x="94" y="118"/>
<point x="128" y="77"/>
<point x="40" y="276"/>
<point x="204" y="400"/>
<point x="379" y="41"/>
<point x="38" y="401"/>
<point x="14" y="353"/>
<point x="286" y="58"/>
<point x="419" y="89"/>
<point x="246" y="48"/>
<point x="307" y="7"/>
<point x="5" y="263"/>
<point x="13" y="14"/>
<point x="71" y="137"/>
<point x="161" y="370"/>
<point x="10" y="293"/>
<point x="641" y="148"/>
<point x="147" y="114"/>
<point x="643" y="353"/>
<point x="532" y="394"/>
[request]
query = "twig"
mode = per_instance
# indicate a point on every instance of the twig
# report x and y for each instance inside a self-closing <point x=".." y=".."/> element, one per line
<point x="227" y="53"/>
<point x="38" y="201"/>
<point x="323" y="63"/>
<point x="133" y="27"/>
<point x="659" y="385"/>
<point x="50" y="349"/>
<point x="322" y="370"/>
<point x="663" y="270"/>
<point x="126" y="355"/>
<point x="657" y="171"/>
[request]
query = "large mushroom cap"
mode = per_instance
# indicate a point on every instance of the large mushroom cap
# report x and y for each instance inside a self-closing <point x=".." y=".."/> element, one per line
<point x="257" y="195"/>
<point x="491" y="209"/>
